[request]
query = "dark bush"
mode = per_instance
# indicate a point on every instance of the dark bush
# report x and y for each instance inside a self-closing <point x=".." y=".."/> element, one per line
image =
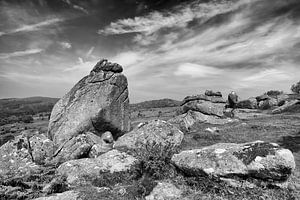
<point x="296" y="88"/>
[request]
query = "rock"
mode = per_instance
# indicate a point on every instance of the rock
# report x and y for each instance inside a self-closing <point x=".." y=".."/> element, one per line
<point x="262" y="98"/>
<point x="285" y="107"/>
<point x="267" y="104"/>
<point x="155" y="131"/>
<point x="187" y="120"/>
<point x="213" y="99"/>
<point x="98" y="103"/>
<point x="42" y="148"/>
<point x="84" y="170"/>
<point x="250" y="103"/>
<point x="205" y="107"/>
<point x="212" y="130"/>
<point x="165" y="191"/>
<point x="16" y="158"/>
<point x="68" y="195"/>
<point x="258" y="160"/>
<point x="212" y="93"/>
<point x="77" y="147"/>
<point x="104" y="146"/>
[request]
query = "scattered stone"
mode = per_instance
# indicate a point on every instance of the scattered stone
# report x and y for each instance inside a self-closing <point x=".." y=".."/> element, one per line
<point x="98" y="103"/>
<point x="165" y="191"/>
<point x="84" y="170"/>
<point x="250" y="103"/>
<point x="286" y="106"/>
<point x="259" y="160"/>
<point x="212" y="93"/>
<point x="155" y="131"/>
<point x="106" y="144"/>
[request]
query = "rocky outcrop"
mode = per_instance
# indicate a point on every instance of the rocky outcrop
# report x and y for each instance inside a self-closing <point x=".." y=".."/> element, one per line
<point x="165" y="191"/>
<point x="286" y="106"/>
<point x="187" y="120"/>
<point x="213" y="99"/>
<point x="258" y="160"/>
<point x="105" y="145"/>
<point x="155" y="131"/>
<point x="205" y="107"/>
<point x="250" y="103"/>
<point x="97" y="103"/>
<point x="82" y="171"/>
<point x="267" y="104"/>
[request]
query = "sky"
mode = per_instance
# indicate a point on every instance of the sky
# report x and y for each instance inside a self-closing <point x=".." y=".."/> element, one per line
<point x="168" y="48"/>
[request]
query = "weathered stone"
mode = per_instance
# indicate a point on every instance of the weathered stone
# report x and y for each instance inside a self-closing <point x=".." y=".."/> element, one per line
<point x="42" y="148"/>
<point x="68" y="195"/>
<point x="98" y="102"/>
<point x="105" y="145"/>
<point x="250" y="103"/>
<point x="84" y="170"/>
<point x="259" y="160"/>
<point x="205" y="107"/>
<point x="187" y="120"/>
<point x="213" y="99"/>
<point x="16" y="158"/>
<point x="267" y="104"/>
<point x="286" y="106"/>
<point x="262" y="98"/>
<point x="165" y="191"/>
<point x="155" y="131"/>
<point x="212" y="93"/>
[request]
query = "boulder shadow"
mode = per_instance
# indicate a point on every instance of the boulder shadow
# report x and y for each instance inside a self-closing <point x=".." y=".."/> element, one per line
<point x="291" y="142"/>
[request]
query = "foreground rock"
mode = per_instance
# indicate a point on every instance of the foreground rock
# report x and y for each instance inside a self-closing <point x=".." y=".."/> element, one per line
<point x="259" y="160"/>
<point x="165" y="191"/>
<point x="250" y="103"/>
<point x="98" y="103"/>
<point x="83" y="171"/>
<point x="22" y="155"/>
<point x="155" y="131"/>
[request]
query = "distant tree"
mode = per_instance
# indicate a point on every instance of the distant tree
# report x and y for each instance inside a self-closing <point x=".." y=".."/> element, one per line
<point x="296" y="88"/>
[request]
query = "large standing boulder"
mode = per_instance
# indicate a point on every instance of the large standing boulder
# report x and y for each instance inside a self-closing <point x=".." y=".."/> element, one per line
<point x="82" y="171"/>
<point x="258" y="160"/>
<point x="155" y="131"/>
<point x="98" y="103"/>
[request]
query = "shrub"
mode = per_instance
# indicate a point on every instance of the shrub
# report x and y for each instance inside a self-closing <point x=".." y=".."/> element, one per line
<point x="296" y="88"/>
<point x="155" y="160"/>
<point x="274" y="93"/>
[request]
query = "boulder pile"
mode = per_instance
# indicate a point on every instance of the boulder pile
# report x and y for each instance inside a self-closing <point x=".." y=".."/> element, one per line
<point x="203" y="108"/>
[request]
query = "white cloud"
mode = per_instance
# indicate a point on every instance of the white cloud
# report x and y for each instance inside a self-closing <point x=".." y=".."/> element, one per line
<point x="90" y="51"/>
<point x="20" y="53"/>
<point x="196" y="70"/>
<point x="127" y="59"/>
<point x="65" y="45"/>
<point x="77" y="7"/>
<point x="33" y="27"/>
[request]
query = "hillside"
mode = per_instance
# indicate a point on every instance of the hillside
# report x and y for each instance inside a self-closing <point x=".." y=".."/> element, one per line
<point x="161" y="103"/>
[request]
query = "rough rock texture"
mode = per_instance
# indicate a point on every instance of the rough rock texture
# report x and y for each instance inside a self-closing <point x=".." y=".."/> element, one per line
<point x="213" y="99"/>
<point x="16" y="158"/>
<point x="165" y="191"/>
<point x="262" y="98"/>
<point x="250" y="103"/>
<point x="105" y="145"/>
<point x="205" y="107"/>
<point x="187" y="120"/>
<point x="282" y="99"/>
<point x="84" y="170"/>
<point x="77" y="147"/>
<point x="286" y="106"/>
<point x="68" y="195"/>
<point x="259" y="160"/>
<point x="212" y="93"/>
<point x="157" y="131"/>
<point x="267" y="104"/>
<point x="98" y="103"/>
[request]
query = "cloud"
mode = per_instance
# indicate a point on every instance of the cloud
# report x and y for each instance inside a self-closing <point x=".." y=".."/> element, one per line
<point x="32" y="27"/>
<point x="20" y="53"/>
<point x="76" y="7"/>
<point x="267" y="75"/>
<point x="65" y="45"/>
<point x="196" y="70"/>
<point x="90" y="51"/>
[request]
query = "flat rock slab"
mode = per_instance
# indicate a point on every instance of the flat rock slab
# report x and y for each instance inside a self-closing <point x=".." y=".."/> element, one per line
<point x="155" y="131"/>
<point x="82" y="171"/>
<point x="260" y="160"/>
